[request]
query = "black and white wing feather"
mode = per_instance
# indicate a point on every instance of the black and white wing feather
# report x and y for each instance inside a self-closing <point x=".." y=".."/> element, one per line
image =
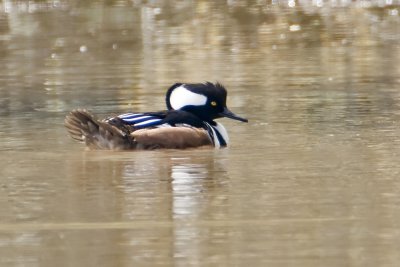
<point x="142" y="120"/>
<point x="169" y="118"/>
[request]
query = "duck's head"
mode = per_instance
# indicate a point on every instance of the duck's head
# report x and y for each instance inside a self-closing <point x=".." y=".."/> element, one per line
<point x="205" y="100"/>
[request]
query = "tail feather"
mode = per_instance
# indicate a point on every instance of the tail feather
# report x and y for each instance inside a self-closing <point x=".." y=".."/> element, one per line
<point x="84" y="127"/>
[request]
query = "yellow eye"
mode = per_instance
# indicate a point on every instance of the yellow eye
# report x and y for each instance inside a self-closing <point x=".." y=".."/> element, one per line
<point x="213" y="103"/>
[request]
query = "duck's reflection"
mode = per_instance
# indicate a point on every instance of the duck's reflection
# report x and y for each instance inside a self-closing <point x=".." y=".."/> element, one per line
<point x="186" y="187"/>
<point x="163" y="195"/>
<point x="192" y="188"/>
<point x="188" y="171"/>
<point x="200" y="190"/>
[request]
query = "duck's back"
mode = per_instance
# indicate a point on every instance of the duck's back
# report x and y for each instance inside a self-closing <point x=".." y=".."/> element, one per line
<point x="117" y="134"/>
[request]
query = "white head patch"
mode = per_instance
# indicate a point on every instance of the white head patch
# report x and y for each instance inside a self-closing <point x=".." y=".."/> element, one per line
<point x="181" y="97"/>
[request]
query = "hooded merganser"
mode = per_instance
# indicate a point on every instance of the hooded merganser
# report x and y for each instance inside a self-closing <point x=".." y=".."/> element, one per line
<point x="188" y="122"/>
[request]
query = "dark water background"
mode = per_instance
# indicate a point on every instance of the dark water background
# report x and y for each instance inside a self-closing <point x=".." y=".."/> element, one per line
<point x="312" y="180"/>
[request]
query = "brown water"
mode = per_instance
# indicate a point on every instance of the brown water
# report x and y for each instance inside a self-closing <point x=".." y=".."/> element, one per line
<point x="312" y="180"/>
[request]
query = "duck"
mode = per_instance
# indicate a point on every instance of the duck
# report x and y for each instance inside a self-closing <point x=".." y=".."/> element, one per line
<point x="188" y="122"/>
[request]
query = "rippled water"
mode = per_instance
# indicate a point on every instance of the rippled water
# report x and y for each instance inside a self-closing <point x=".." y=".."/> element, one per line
<point x="311" y="180"/>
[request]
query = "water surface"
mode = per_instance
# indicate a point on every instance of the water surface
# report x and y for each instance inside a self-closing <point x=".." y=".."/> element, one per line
<point x="311" y="180"/>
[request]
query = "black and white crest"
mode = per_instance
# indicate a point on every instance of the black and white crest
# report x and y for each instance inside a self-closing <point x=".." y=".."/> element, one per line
<point x="197" y="94"/>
